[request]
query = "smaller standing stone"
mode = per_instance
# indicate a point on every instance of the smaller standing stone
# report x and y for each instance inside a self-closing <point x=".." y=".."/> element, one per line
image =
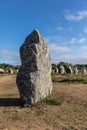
<point x="2" y="71"/>
<point x="56" y="70"/>
<point x="11" y="71"/>
<point x="61" y="70"/>
<point x="76" y="71"/>
<point x="69" y="70"/>
<point x="84" y="71"/>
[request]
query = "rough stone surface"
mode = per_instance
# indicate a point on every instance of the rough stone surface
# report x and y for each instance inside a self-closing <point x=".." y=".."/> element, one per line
<point x="34" y="76"/>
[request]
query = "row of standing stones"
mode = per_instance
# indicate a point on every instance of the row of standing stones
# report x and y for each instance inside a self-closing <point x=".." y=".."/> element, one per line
<point x="34" y="77"/>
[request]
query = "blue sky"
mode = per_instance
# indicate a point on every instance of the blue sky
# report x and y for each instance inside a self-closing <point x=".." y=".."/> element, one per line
<point x="62" y="23"/>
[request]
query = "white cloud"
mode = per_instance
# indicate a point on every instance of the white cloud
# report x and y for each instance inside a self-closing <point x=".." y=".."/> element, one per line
<point x="56" y="38"/>
<point x="84" y="47"/>
<point x="55" y="47"/>
<point x="5" y="51"/>
<point x="82" y="40"/>
<point x="85" y="30"/>
<point x="74" y="59"/>
<point x="68" y="50"/>
<point x="60" y="28"/>
<point x="75" y="40"/>
<point x="9" y="55"/>
<point x="75" y="16"/>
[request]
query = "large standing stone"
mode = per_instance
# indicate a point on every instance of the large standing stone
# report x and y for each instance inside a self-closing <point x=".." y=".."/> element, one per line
<point x="34" y="76"/>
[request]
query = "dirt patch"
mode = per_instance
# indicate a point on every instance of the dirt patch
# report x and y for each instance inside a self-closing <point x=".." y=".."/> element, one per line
<point x="70" y="115"/>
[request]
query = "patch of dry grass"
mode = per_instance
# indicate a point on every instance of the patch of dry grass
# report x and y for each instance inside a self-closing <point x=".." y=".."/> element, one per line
<point x="70" y="78"/>
<point x="70" y="115"/>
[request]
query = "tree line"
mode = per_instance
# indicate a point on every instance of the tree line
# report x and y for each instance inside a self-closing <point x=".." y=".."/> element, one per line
<point x="66" y="65"/>
<point x="8" y="66"/>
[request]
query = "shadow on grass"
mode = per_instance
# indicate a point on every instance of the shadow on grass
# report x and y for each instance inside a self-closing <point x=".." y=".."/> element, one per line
<point x="9" y="102"/>
<point x="73" y="81"/>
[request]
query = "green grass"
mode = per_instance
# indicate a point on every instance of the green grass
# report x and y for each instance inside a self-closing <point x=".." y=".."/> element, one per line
<point x="70" y="78"/>
<point x="52" y="100"/>
<point x="58" y="115"/>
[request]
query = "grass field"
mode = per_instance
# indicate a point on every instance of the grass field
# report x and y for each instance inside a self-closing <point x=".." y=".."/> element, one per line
<point x="70" y="78"/>
<point x="70" y="114"/>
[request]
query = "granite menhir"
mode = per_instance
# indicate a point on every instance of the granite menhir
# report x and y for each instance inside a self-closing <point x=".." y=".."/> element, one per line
<point x="34" y="76"/>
